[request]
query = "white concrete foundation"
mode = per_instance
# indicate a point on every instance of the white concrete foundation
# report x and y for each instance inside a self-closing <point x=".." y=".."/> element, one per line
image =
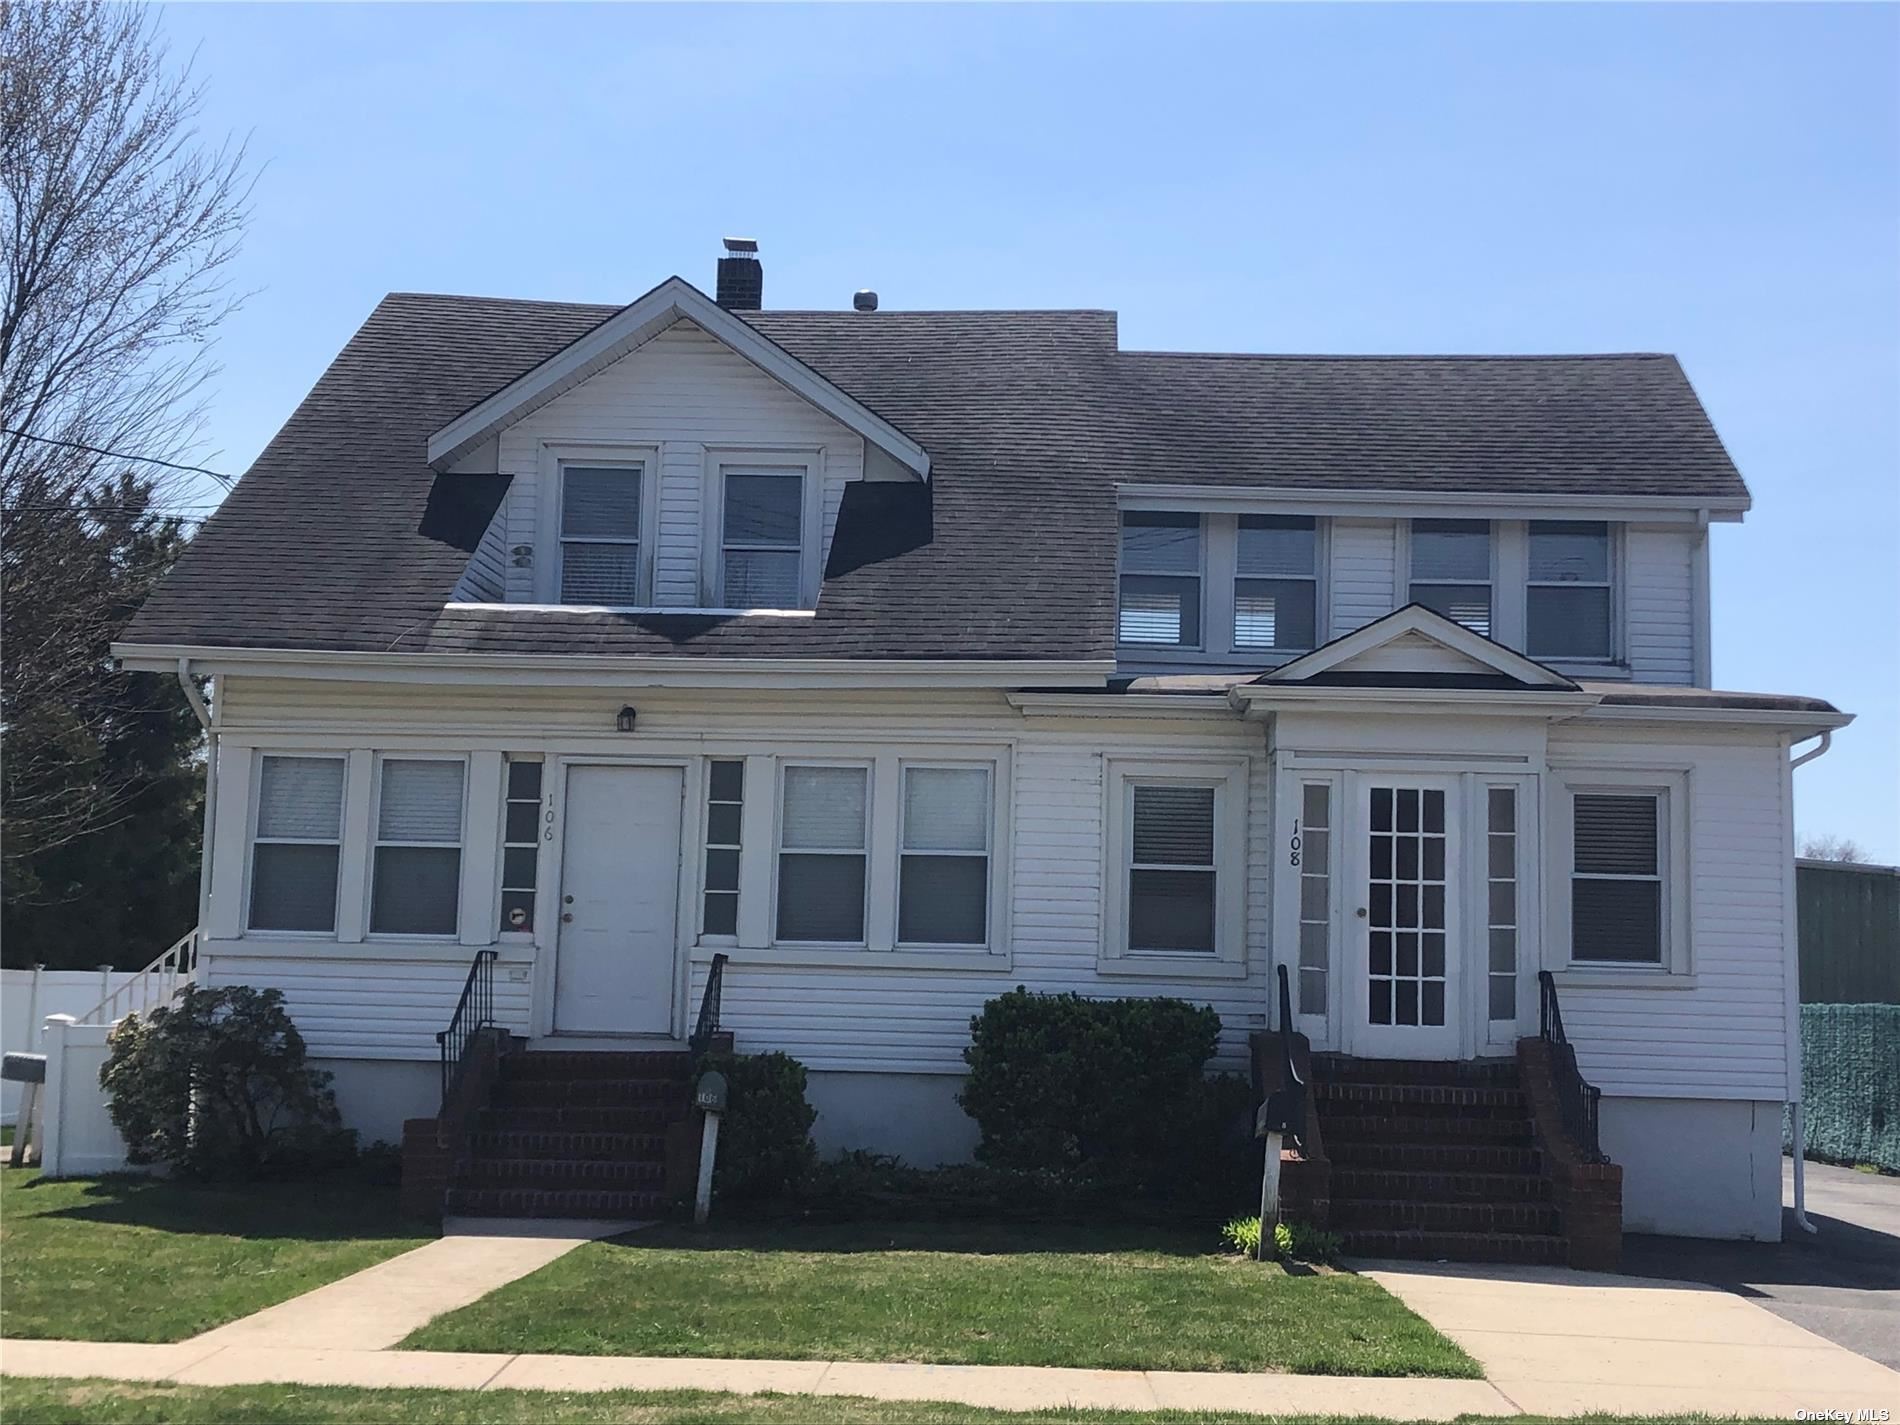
<point x="1697" y="1167"/>
<point x="374" y="1096"/>
<point x="915" y="1116"/>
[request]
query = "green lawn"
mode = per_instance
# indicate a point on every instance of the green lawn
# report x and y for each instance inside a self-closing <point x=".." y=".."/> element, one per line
<point x="98" y="1402"/>
<point x="140" y="1259"/>
<point x="975" y="1295"/>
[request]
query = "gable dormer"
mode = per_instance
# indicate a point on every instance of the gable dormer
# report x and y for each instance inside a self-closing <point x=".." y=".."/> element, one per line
<point x="672" y="459"/>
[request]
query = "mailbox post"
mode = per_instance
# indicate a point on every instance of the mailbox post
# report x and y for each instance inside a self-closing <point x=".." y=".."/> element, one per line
<point x="1266" y="1127"/>
<point x="709" y="1097"/>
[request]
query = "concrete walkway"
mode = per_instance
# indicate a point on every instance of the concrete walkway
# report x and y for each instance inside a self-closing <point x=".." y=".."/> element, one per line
<point x="378" y="1306"/>
<point x="1559" y="1342"/>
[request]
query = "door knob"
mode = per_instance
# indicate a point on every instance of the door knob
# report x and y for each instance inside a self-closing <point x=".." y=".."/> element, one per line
<point x="1361" y="912"/>
<point x="567" y="917"/>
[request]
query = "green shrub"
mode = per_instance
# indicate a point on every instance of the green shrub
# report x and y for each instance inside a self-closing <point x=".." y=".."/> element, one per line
<point x="765" y="1147"/>
<point x="1105" y="1092"/>
<point x="216" y="1085"/>
<point x="1242" y="1235"/>
<point x="1292" y="1241"/>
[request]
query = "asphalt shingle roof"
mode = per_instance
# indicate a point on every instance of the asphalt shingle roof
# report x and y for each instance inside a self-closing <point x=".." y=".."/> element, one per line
<point x="1031" y="420"/>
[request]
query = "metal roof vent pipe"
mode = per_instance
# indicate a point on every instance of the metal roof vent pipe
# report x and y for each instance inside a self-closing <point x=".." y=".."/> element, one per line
<point x="864" y="300"/>
<point x="741" y="280"/>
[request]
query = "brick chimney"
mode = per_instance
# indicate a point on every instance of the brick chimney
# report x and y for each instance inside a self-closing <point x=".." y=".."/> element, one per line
<point x="741" y="280"/>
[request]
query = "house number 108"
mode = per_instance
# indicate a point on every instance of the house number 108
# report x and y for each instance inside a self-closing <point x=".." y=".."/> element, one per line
<point x="1293" y="845"/>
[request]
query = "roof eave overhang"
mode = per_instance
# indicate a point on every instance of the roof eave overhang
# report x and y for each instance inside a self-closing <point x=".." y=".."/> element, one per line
<point x="1398" y="504"/>
<point x="1792" y="720"/>
<point x="637" y="323"/>
<point x="609" y="671"/>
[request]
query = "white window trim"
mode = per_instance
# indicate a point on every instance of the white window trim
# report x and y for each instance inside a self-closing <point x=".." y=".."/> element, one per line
<point x="1228" y="778"/>
<point x="992" y="910"/>
<point x="1617" y="583"/>
<point x="1673" y="786"/>
<point x="1410" y="579"/>
<point x="1218" y="572"/>
<point x="376" y="843"/>
<point x="251" y="840"/>
<point x="712" y="504"/>
<point x="780" y="850"/>
<point x="544" y="812"/>
<point x="554" y="457"/>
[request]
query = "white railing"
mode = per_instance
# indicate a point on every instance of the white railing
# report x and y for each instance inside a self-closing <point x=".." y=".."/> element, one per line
<point x="151" y="987"/>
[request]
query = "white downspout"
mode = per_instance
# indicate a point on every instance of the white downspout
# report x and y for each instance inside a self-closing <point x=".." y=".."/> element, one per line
<point x="1793" y="943"/>
<point x="197" y="702"/>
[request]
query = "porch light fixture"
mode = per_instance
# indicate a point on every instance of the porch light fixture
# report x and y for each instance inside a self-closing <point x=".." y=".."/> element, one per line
<point x="623" y="720"/>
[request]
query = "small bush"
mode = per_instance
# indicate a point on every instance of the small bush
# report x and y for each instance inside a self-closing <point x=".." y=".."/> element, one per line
<point x="1292" y="1241"/>
<point x="1109" y="1092"/>
<point x="216" y="1085"/>
<point x="1242" y="1235"/>
<point x="765" y="1147"/>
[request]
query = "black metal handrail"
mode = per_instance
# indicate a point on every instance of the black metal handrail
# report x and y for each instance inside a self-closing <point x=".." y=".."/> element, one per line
<point x="707" y="1025"/>
<point x="474" y="1012"/>
<point x="1285" y="1108"/>
<point x="1579" y="1102"/>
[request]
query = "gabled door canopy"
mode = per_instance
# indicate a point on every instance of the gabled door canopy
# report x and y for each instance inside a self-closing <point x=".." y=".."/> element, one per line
<point x="1416" y="647"/>
<point x="640" y="321"/>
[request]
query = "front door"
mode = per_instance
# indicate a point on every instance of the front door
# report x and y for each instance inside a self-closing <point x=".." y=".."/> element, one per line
<point x="620" y="859"/>
<point x="1404" y="999"/>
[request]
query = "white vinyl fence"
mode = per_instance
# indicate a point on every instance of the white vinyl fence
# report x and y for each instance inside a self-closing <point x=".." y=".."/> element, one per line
<point x="28" y="996"/>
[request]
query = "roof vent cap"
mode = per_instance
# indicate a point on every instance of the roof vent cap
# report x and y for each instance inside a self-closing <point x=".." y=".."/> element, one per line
<point x="864" y="300"/>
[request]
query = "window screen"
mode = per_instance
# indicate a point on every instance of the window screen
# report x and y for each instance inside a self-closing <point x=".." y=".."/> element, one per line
<point x="600" y="534"/>
<point x="1171" y="870"/>
<point x="1568" y="599"/>
<point x="944" y="871"/>
<point x="299" y="834"/>
<point x="1161" y="579"/>
<point x="1451" y="570"/>
<point x="762" y="542"/>
<point x="1276" y="583"/>
<point x="1616" y="893"/>
<point x="821" y="864"/>
<point x="417" y="876"/>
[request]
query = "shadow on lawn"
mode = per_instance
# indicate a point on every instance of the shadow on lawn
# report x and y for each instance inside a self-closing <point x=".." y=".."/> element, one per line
<point x="327" y="1210"/>
<point x="965" y="1238"/>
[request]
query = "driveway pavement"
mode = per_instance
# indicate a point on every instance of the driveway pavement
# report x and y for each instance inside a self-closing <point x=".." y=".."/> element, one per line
<point x="1842" y="1283"/>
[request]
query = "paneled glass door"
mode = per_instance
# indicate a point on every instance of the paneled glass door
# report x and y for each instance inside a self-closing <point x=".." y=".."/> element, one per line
<point x="1405" y="1002"/>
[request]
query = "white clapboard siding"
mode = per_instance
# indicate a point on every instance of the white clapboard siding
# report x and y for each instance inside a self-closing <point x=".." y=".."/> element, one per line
<point x="1363" y="575"/>
<point x="1726" y="1037"/>
<point x="1660" y="620"/>
<point x="485" y="580"/>
<point x="681" y="392"/>
<point x="366" y="1009"/>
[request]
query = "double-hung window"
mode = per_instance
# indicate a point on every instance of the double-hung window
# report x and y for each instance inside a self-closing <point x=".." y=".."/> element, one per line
<point x="416" y="878"/>
<point x="1618" y="849"/>
<point x="1172" y="874"/>
<point x="1451" y="570"/>
<point x="1276" y="582"/>
<point x="1161" y="579"/>
<point x="600" y="533"/>
<point x="1568" y="600"/>
<point x="824" y="821"/>
<point x="943" y="893"/>
<point x="299" y="839"/>
<point x="762" y="549"/>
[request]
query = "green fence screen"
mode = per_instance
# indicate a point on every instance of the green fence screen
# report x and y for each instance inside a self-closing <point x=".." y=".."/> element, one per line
<point x="1850" y="1077"/>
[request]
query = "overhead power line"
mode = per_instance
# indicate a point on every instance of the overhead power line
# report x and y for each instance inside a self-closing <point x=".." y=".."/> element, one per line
<point x="226" y="480"/>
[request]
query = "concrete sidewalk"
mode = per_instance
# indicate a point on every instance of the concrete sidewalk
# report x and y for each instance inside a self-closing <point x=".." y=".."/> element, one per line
<point x="1560" y="1342"/>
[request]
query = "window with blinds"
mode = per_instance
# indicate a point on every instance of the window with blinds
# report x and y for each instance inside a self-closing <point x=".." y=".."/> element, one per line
<point x="943" y="892"/>
<point x="1171" y="875"/>
<point x="416" y="875"/>
<point x="1568" y="598"/>
<point x="762" y="541"/>
<point x="1451" y="570"/>
<point x="600" y="533"/>
<point x="725" y="808"/>
<point x="298" y="841"/>
<point x="823" y="819"/>
<point x="1616" y="886"/>
<point x="1276" y="582"/>
<point x="1160" y="579"/>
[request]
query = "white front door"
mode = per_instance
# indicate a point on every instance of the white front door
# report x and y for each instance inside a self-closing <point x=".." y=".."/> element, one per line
<point x="1406" y="993"/>
<point x="620" y="866"/>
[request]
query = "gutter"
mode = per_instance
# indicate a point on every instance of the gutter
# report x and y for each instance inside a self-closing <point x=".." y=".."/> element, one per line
<point x="205" y="720"/>
<point x="1791" y="932"/>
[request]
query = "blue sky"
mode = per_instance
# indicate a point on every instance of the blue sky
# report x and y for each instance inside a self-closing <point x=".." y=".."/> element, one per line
<point x="1720" y="182"/>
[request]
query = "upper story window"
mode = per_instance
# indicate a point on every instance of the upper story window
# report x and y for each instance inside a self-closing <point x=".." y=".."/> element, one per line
<point x="1452" y="570"/>
<point x="1276" y="582"/>
<point x="1161" y="579"/>
<point x="600" y="533"/>
<point x="762" y="541"/>
<point x="1568" y="596"/>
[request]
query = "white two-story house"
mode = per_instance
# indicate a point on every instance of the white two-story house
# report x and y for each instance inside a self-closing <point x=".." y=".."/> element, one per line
<point x="901" y="658"/>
